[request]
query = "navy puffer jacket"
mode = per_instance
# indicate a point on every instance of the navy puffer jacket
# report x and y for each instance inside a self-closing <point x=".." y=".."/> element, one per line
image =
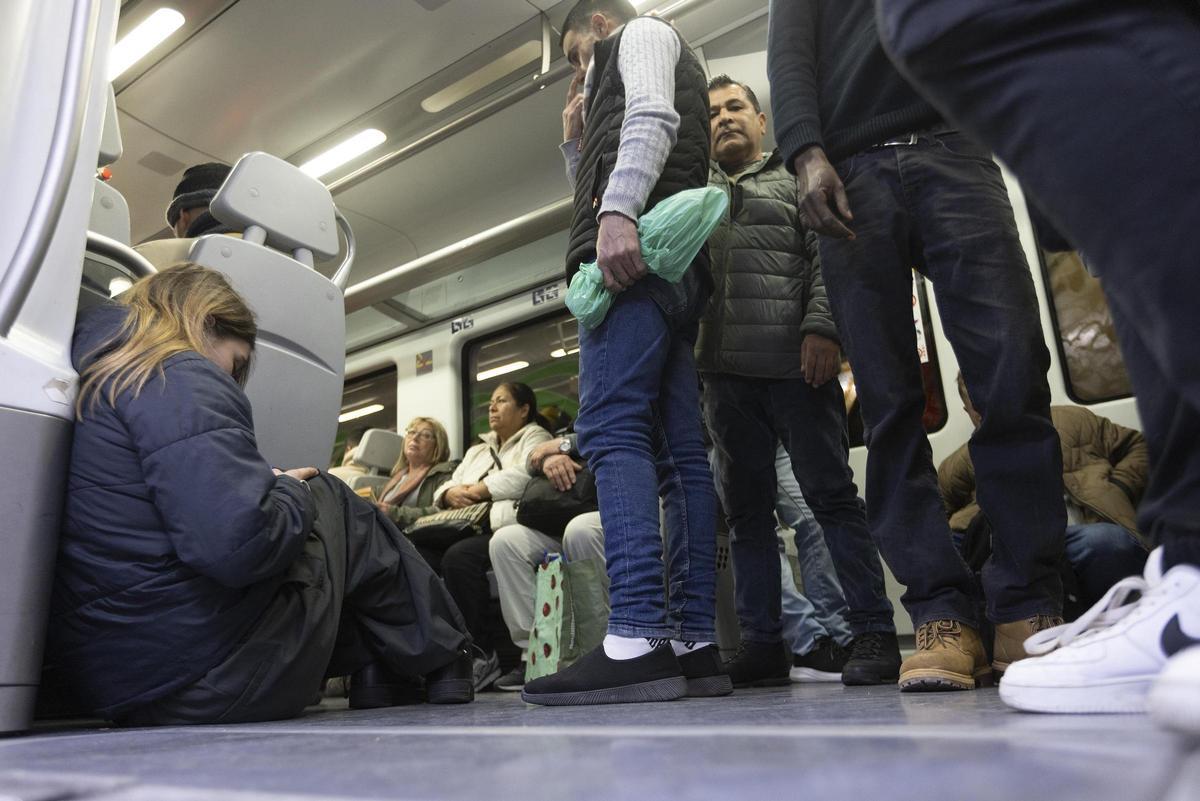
<point x="176" y="532"/>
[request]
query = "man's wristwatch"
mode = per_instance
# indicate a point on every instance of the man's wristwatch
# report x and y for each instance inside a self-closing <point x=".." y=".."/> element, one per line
<point x="564" y="446"/>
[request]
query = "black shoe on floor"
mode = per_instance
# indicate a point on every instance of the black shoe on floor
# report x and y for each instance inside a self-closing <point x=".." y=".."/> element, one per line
<point x="759" y="664"/>
<point x="596" y="679"/>
<point x="375" y="687"/>
<point x="705" y="674"/>
<point x="874" y="659"/>
<point x="512" y="681"/>
<point x="823" y="663"/>
<point x="453" y="683"/>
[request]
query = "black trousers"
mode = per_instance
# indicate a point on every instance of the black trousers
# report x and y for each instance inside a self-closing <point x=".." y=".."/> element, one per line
<point x="359" y="592"/>
<point x="1095" y="104"/>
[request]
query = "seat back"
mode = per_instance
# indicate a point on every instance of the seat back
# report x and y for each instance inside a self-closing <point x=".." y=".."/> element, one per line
<point x="53" y="90"/>
<point x="378" y="452"/>
<point x="295" y="387"/>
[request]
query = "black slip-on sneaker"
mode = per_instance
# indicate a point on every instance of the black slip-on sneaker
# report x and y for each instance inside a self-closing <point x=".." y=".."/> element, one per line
<point x="705" y="674"/>
<point x="596" y="679"/>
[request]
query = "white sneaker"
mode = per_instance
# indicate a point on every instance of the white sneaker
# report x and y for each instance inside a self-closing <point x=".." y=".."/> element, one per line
<point x="1175" y="699"/>
<point x="1108" y="659"/>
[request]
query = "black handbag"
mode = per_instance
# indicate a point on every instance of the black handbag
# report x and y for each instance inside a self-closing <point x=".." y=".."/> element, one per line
<point x="543" y="508"/>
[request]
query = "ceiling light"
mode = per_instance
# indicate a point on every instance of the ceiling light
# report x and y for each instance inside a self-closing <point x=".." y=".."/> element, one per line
<point x="559" y="353"/>
<point x="142" y="39"/>
<point x="343" y="152"/>
<point x="117" y="285"/>
<point x="501" y="370"/>
<point x="490" y="73"/>
<point x="346" y="417"/>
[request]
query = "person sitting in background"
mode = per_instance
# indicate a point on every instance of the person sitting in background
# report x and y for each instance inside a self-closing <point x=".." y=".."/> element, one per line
<point x="194" y="583"/>
<point x="1105" y="468"/>
<point x="348" y="468"/>
<point x="557" y="420"/>
<point x="517" y="550"/>
<point x="188" y="215"/>
<point x="494" y="469"/>
<point x="423" y="466"/>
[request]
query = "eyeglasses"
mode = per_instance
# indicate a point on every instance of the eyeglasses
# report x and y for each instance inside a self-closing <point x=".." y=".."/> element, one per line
<point x="424" y="434"/>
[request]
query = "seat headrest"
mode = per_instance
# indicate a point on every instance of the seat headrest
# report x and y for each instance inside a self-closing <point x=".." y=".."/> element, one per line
<point x="294" y="209"/>
<point x="379" y="449"/>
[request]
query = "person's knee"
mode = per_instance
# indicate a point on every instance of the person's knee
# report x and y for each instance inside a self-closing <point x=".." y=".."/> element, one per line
<point x="583" y="538"/>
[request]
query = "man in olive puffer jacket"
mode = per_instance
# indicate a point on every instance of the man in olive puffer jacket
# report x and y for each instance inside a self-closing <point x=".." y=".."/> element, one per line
<point x="768" y="354"/>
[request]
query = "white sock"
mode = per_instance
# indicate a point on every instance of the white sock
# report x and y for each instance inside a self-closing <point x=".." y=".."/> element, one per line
<point x="680" y="648"/>
<point x="621" y="648"/>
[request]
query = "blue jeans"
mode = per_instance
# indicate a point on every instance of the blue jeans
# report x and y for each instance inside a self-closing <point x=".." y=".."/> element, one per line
<point x="639" y="428"/>
<point x="1108" y="150"/>
<point x="1101" y="554"/>
<point x="821" y="610"/>
<point x="747" y="419"/>
<point x="941" y="206"/>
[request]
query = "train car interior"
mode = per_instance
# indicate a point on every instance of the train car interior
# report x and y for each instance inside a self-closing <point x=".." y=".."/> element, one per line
<point x="402" y="217"/>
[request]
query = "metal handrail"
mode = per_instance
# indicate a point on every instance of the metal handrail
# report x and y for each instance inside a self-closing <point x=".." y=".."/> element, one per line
<point x="342" y="275"/>
<point x="121" y="253"/>
<point x="51" y="197"/>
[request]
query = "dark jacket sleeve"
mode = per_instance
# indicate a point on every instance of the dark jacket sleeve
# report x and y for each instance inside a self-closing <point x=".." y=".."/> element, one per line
<point x="1129" y="455"/>
<point x="792" y="72"/>
<point x="227" y="515"/>
<point x="818" y="319"/>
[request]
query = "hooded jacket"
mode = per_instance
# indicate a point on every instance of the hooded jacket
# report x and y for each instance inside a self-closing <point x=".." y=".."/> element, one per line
<point x="176" y="533"/>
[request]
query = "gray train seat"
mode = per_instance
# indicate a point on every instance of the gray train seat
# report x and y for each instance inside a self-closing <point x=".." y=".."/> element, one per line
<point x="295" y="386"/>
<point x="378" y="453"/>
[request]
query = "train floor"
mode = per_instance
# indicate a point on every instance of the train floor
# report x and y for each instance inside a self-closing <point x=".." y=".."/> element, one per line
<point x="801" y="742"/>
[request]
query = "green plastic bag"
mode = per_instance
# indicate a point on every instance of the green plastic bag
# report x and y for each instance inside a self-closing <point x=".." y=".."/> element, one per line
<point x="671" y="234"/>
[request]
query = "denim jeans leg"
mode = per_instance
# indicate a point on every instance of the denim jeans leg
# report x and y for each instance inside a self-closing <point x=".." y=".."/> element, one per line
<point x="800" y="625"/>
<point x="1101" y="554"/>
<point x="869" y="283"/>
<point x="811" y="422"/>
<point x="989" y="312"/>
<point x="621" y="364"/>
<point x="822" y="590"/>
<point x="744" y="450"/>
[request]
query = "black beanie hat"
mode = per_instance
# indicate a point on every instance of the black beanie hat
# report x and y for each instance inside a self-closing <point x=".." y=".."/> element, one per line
<point x="200" y="183"/>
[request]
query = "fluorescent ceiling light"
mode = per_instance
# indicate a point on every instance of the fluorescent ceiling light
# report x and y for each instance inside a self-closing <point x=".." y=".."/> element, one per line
<point x="559" y="353"/>
<point x="343" y="152"/>
<point x="501" y="370"/>
<point x="640" y="4"/>
<point x="142" y="39"/>
<point x="346" y="417"/>
<point x="489" y="73"/>
<point x="117" y="285"/>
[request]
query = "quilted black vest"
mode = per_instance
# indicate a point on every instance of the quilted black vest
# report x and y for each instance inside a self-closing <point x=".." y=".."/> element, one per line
<point x="687" y="164"/>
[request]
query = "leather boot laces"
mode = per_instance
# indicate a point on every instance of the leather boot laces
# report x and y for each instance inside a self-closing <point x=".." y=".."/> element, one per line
<point x="937" y="632"/>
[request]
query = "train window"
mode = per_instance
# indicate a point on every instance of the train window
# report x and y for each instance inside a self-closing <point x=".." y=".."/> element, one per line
<point x="935" y="415"/>
<point x="1092" y="365"/>
<point x="367" y="402"/>
<point x="543" y="354"/>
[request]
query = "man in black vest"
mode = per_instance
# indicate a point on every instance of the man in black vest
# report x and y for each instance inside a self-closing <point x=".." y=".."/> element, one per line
<point x="769" y="354"/>
<point x="891" y="186"/>
<point x="636" y="131"/>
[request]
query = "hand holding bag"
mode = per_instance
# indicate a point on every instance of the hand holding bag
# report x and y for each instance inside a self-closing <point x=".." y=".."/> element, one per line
<point x="544" y="508"/>
<point x="440" y="530"/>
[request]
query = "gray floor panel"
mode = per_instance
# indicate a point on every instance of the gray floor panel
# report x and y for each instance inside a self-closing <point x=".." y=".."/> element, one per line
<point x="819" y="742"/>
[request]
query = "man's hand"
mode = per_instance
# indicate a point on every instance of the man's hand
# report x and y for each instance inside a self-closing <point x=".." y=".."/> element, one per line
<point x="543" y="452"/>
<point x="298" y="473"/>
<point x="619" y="252"/>
<point x="820" y="358"/>
<point x="561" y="470"/>
<point x="573" y="112"/>
<point x="817" y="183"/>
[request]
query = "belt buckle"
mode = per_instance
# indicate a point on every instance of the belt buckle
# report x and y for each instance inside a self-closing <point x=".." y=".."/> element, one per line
<point x="901" y="141"/>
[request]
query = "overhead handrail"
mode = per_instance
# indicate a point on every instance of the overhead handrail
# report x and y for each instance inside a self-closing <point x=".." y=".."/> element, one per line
<point x="342" y="275"/>
<point x="122" y="254"/>
<point x="51" y="197"/>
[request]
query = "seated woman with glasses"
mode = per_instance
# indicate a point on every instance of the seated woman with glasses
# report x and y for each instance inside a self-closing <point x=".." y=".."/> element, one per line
<point x="423" y="466"/>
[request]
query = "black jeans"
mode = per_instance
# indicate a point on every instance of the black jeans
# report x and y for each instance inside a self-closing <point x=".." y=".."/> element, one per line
<point x="940" y="206"/>
<point x="746" y="418"/>
<point x="358" y="593"/>
<point x="1109" y="149"/>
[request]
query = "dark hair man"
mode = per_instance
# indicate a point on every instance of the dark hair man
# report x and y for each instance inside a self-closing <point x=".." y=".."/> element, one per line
<point x="767" y="351"/>
<point x="889" y="186"/>
<point x="1096" y="108"/>
<point x="636" y="131"/>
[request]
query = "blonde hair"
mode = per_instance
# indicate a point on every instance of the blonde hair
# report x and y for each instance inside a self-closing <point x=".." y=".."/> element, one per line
<point x="181" y="308"/>
<point x="440" y="454"/>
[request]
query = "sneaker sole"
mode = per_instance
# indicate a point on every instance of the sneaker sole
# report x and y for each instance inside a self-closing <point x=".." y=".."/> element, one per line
<point x="1118" y="697"/>
<point x="508" y="688"/>
<point x="932" y="680"/>
<point x="451" y="691"/>
<point x="855" y="678"/>
<point x="669" y="689"/>
<point x="1176" y="705"/>
<point x="803" y="675"/>
<point x="488" y="680"/>
<point x="709" y="686"/>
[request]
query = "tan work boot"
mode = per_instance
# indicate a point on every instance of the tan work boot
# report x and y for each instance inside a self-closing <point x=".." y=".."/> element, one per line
<point x="1009" y="645"/>
<point x="949" y="656"/>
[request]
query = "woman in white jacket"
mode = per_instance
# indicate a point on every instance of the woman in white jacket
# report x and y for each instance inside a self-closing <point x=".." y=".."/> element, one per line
<point x="495" y="469"/>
